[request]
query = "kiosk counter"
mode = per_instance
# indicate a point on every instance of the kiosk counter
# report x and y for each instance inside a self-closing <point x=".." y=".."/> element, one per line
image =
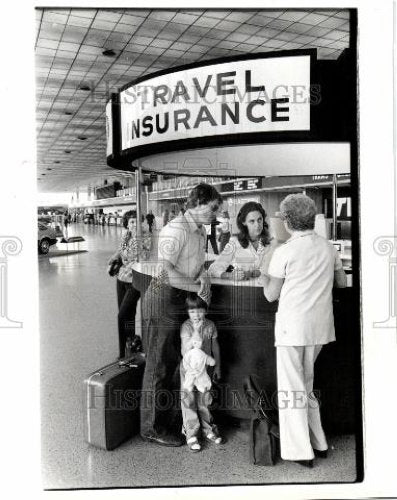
<point x="245" y="322"/>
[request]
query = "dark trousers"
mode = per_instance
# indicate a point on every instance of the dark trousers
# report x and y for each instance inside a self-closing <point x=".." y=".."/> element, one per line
<point x="127" y="298"/>
<point x="164" y="313"/>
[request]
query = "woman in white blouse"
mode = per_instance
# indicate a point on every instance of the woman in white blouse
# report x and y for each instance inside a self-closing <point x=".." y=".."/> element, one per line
<point x="250" y="250"/>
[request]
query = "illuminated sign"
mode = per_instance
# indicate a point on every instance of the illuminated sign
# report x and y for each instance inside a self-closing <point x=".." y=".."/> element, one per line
<point x="264" y="94"/>
<point x="241" y="185"/>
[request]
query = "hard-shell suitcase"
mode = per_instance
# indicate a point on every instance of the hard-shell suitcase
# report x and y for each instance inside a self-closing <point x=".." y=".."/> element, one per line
<point x="112" y="396"/>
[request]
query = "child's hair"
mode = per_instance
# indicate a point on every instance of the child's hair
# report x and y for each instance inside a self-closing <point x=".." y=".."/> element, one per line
<point x="193" y="301"/>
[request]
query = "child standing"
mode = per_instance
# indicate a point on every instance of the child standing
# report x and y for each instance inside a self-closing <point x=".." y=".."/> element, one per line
<point x="196" y="397"/>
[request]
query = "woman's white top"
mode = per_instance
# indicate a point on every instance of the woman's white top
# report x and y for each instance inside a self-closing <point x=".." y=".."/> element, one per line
<point x="247" y="259"/>
<point x="307" y="263"/>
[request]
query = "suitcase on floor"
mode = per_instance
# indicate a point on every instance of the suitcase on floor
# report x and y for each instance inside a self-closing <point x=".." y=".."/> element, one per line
<point x="112" y="397"/>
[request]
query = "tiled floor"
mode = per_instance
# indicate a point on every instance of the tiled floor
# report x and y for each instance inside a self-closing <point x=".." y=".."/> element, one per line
<point x="78" y="335"/>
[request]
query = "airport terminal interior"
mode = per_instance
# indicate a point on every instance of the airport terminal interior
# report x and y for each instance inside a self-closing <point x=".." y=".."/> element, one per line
<point x="78" y="324"/>
<point x="83" y="57"/>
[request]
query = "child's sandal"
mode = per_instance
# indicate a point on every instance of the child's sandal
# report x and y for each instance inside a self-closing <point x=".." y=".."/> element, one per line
<point x="214" y="438"/>
<point x="193" y="444"/>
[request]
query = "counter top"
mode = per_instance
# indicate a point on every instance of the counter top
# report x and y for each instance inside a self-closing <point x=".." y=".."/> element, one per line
<point x="151" y="268"/>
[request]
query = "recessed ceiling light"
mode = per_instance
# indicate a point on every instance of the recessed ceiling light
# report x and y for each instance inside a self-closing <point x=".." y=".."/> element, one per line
<point x="81" y="137"/>
<point x="109" y="53"/>
<point x="68" y="151"/>
<point x="85" y="87"/>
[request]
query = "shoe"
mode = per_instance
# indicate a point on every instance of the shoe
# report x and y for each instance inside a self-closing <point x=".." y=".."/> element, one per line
<point x="306" y="463"/>
<point x="214" y="438"/>
<point x="193" y="444"/>
<point x="320" y="453"/>
<point x="164" y="439"/>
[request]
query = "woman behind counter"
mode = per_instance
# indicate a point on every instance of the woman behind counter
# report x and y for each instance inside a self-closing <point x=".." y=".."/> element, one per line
<point x="250" y="250"/>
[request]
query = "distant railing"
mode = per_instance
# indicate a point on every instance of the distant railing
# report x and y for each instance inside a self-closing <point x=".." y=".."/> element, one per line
<point x="175" y="183"/>
<point x="126" y="192"/>
<point x="181" y="182"/>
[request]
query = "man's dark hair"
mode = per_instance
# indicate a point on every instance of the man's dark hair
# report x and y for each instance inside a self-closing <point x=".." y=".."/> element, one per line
<point x="202" y="194"/>
<point x="193" y="301"/>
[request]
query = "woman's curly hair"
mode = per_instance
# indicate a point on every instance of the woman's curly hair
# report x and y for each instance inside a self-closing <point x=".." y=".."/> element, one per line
<point x="299" y="211"/>
<point x="243" y="236"/>
<point x="128" y="215"/>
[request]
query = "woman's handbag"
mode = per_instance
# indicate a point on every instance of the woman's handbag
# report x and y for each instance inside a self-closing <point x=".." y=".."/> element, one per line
<point x="114" y="267"/>
<point x="263" y="444"/>
<point x="263" y="434"/>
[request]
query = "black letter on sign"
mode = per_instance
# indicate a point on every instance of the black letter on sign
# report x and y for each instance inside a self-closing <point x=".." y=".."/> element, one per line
<point x="147" y="124"/>
<point x="204" y="116"/>
<point x="135" y="130"/>
<point x="161" y="130"/>
<point x="250" y="116"/>
<point x="249" y="87"/>
<point x="181" y="116"/>
<point x="159" y="94"/>
<point x="276" y="110"/>
<point x="202" y="92"/>
<point x="315" y="94"/>
<point x="180" y="89"/>
<point x="221" y="83"/>
<point x="226" y="110"/>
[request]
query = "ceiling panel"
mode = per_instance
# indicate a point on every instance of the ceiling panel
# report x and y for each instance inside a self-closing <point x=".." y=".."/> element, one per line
<point x="293" y="16"/>
<point x="217" y="14"/>
<point x="69" y="46"/>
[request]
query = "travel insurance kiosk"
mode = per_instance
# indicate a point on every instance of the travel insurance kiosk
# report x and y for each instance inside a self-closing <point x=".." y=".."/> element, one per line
<point x="259" y="115"/>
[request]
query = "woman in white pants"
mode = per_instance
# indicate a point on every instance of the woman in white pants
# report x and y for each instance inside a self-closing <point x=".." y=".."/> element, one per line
<point x="301" y="274"/>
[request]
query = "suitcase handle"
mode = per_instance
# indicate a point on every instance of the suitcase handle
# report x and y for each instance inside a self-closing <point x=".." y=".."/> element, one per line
<point x="128" y="364"/>
<point x="122" y="364"/>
